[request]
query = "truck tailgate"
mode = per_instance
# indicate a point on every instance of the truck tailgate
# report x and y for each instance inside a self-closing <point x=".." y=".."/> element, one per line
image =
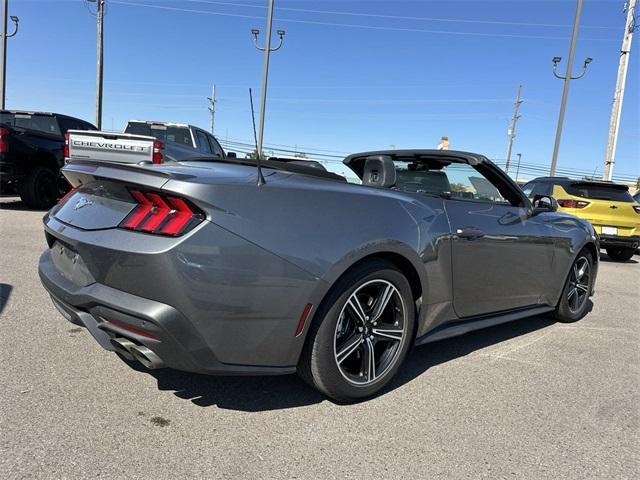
<point x="110" y="147"/>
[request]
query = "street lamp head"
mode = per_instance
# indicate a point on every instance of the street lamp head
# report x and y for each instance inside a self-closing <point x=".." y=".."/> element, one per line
<point x="281" y="33"/>
<point x="14" y="19"/>
<point x="587" y="61"/>
<point x="255" y="32"/>
<point x="556" y="59"/>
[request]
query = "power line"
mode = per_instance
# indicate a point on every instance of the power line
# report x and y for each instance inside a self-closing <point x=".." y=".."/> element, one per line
<point x="244" y="146"/>
<point x="347" y="25"/>
<point x="399" y="17"/>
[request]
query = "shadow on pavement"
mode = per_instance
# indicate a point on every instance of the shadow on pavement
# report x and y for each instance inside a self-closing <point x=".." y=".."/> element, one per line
<point x="605" y="258"/>
<point x="14" y="203"/>
<point x="254" y="394"/>
<point x="5" y="293"/>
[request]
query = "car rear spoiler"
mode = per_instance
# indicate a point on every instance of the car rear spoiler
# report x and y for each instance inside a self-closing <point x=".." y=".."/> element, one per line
<point x="590" y="183"/>
<point x="82" y="171"/>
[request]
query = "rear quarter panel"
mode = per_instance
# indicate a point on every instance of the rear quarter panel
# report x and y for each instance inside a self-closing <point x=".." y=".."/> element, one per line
<point x="325" y="227"/>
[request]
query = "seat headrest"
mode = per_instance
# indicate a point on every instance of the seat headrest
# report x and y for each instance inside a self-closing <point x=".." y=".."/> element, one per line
<point x="379" y="171"/>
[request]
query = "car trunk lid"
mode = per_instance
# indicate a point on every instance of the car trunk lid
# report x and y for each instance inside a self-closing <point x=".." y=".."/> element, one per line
<point x="103" y="194"/>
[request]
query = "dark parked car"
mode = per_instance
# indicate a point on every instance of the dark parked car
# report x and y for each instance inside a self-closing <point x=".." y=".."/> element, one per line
<point x="197" y="267"/>
<point x="32" y="153"/>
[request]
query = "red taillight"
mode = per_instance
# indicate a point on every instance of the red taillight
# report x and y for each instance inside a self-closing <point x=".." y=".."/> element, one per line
<point x="67" y="195"/>
<point x="66" y="145"/>
<point x="180" y="218"/>
<point x="135" y="218"/>
<point x="160" y="214"/>
<point x="572" y="203"/>
<point x="3" y="140"/>
<point x="158" y="146"/>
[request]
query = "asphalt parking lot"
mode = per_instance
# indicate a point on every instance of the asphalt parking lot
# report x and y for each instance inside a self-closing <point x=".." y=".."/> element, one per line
<point x="531" y="399"/>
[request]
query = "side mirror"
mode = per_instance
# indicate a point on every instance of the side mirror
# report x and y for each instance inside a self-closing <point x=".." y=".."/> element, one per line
<point x="544" y="203"/>
<point x="232" y="155"/>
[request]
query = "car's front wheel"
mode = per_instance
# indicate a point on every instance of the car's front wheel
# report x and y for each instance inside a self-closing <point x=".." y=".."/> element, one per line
<point x="574" y="301"/>
<point x="620" y="254"/>
<point x="362" y="334"/>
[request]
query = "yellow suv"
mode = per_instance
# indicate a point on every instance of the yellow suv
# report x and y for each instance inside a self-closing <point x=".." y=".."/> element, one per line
<point x="609" y="207"/>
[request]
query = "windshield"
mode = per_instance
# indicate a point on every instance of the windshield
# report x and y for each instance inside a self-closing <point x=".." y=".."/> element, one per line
<point x="40" y="123"/>
<point x="164" y="133"/>
<point x="600" y="192"/>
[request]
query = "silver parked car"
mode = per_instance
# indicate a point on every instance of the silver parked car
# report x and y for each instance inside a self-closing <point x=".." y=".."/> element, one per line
<point x="198" y="267"/>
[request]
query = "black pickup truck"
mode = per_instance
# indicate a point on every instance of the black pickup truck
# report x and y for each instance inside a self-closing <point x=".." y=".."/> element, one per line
<point x="31" y="154"/>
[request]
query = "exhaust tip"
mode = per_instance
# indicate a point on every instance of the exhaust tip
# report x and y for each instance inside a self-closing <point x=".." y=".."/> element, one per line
<point x="146" y="357"/>
<point x="123" y="347"/>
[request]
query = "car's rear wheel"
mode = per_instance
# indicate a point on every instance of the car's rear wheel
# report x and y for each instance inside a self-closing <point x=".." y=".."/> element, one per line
<point x="362" y="334"/>
<point x="620" y="254"/>
<point x="39" y="189"/>
<point x="574" y="301"/>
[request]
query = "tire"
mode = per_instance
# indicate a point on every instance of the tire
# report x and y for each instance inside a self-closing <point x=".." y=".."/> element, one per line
<point x="39" y="189"/>
<point x="335" y="359"/>
<point x="620" y="254"/>
<point x="574" y="300"/>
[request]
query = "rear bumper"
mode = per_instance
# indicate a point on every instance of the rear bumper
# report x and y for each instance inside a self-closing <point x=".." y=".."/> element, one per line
<point x="213" y="302"/>
<point x="157" y="326"/>
<point x="619" y="241"/>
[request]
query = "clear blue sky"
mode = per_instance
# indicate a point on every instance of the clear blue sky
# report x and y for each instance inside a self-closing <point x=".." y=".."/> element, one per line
<point x="351" y="75"/>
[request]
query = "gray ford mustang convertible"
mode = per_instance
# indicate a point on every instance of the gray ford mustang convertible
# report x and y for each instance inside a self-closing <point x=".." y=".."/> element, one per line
<point x="197" y="266"/>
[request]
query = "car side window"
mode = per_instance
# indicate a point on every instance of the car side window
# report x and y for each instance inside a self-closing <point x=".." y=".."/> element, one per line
<point x="456" y="181"/>
<point x="203" y="142"/>
<point x="215" y="147"/>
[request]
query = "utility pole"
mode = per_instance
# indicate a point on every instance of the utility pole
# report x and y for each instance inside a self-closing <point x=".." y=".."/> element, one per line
<point x="512" y="130"/>
<point x="3" y="49"/>
<point x="100" y="16"/>
<point x="265" y="68"/>
<point x="567" y="79"/>
<point x="618" y="95"/>
<point x="212" y="108"/>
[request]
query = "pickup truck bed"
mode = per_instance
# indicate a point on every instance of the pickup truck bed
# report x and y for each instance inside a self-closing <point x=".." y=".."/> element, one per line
<point x="113" y="147"/>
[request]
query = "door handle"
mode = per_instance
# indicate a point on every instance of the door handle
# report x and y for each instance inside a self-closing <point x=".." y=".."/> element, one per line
<point x="470" y="233"/>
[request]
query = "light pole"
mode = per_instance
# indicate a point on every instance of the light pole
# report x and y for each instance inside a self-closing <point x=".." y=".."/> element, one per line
<point x="3" y="50"/>
<point x="99" y="72"/>
<point x="265" y="68"/>
<point x="567" y="79"/>
<point x="518" y="167"/>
